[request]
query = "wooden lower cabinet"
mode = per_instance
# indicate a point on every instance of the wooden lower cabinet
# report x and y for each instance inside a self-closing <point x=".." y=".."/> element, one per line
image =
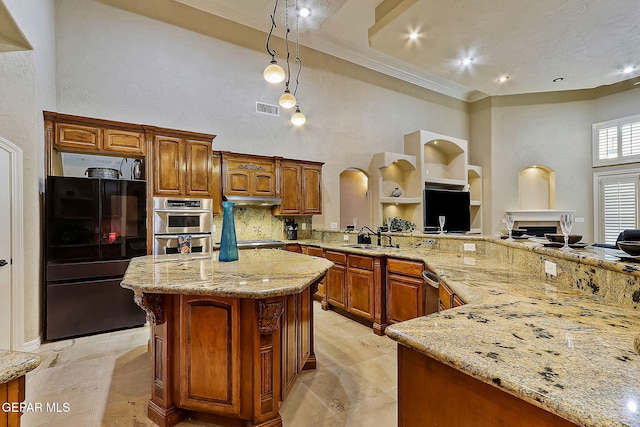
<point x="431" y="393"/>
<point x="317" y="252"/>
<point x="361" y="298"/>
<point x="229" y="361"/>
<point x="11" y="393"/>
<point x="336" y="279"/>
<point x="406" y="297"/>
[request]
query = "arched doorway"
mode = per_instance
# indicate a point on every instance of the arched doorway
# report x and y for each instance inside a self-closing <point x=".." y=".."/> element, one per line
<point x="354" y="198"/>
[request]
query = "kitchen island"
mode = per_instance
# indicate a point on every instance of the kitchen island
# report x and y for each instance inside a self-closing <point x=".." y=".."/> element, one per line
<point x="228" y="338"/>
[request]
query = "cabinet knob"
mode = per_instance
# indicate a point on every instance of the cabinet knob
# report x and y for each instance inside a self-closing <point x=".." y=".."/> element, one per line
<point x="3" y="262"/>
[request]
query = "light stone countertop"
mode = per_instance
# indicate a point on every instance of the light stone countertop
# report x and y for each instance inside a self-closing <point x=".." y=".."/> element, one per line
<point x="555" y="346"/>
<point x="14" y="364"/>
<point x="259" y="273"/>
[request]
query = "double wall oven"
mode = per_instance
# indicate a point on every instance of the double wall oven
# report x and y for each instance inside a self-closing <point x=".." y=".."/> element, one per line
<point x="178" y="222"/>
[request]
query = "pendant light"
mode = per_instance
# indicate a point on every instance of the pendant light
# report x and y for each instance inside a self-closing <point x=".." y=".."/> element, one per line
<point x="286" y="99"/>
<point x="298" y="119"/>
<point x="273" y="73"/>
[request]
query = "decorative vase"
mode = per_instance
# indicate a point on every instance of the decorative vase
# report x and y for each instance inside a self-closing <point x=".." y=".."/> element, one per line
<point x="396" y="193"/>
<point x="228" y="243"/>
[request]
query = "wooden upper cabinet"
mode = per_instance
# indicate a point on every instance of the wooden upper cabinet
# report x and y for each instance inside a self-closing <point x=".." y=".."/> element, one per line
<point x="77" y="137"/>
<point x="300" y="188"/>
<point x="246" y="175"/>
<point x="182" y="167"/>
<point x="198" y="168"/>
<point x="122" y="141"/>
<point x="312" y="189"/>
<point x="168" y="166"/>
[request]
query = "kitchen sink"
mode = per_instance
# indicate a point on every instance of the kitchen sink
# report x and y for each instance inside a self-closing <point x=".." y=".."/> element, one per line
<point x="364" y="246"/>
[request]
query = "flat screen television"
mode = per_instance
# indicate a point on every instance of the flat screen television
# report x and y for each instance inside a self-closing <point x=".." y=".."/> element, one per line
<point x="453" y="204"/>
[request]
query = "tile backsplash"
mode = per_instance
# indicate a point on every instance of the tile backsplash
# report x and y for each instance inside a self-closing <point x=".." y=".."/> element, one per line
<point x="257" y="223"/>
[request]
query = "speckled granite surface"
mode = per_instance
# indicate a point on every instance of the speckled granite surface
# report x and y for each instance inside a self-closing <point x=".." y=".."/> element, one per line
<point x="14" y="364"/>
<point x="257" y="274"/>
<point x="542" y="339"/>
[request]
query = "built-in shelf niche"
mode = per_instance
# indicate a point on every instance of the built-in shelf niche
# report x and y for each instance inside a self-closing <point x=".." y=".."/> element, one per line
<point x="395" y="170"/>
<point x="537" y="188"/>
<point x="441" y="159"/>
<point x="474" y="179"/>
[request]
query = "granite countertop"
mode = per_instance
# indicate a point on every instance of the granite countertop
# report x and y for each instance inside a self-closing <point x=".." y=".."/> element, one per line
<point x="259" y="273"/>
<point x="552" y="345"/>
<point x="14" y="364"/>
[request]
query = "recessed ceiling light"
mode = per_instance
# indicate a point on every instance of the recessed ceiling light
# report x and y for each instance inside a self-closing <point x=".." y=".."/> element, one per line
<point x="467" y="61"/>
<point x="557" y="79"/>
<point x="503" y="79"/>
<point x="304" y="12"/>
<point x="413" y="36"/>
<point x="627" y="70"/>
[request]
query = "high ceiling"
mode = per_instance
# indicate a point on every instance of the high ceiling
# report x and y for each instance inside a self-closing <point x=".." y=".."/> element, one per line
<point x="579" y="43"/>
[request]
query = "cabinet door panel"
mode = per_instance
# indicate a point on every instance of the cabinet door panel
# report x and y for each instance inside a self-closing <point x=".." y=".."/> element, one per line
<point x="335" y="285"/>
<point x="121" y="141"/>
<point x="263" y="184"/>
<point x="198" y="161"/>
<point x="304" y="327"/>
<point x="290" y="188"/>
<point x="360" y="297"/>
<point x="311" y="190"/>
<point x="78" y="137"/>
<point x="289" y="344"/>
<point x="445" y="295"/>
<point x="168" y="167"/>
<point x="237" y="183"/>
<point x="405" y="299"/>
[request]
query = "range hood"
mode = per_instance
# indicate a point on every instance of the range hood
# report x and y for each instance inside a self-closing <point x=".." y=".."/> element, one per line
<point x="254" y="200"/>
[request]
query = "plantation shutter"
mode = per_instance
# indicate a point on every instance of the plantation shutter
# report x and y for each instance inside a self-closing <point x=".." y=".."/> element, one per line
<point x="616" y="141"/>
<point x="619" y="204"/>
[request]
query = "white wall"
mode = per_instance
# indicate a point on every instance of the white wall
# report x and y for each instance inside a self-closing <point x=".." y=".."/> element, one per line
<point x="117" y="65"/>
<point x="26" y="88"/>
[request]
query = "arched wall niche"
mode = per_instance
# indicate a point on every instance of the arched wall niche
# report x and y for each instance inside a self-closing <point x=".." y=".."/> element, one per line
<point x="537" y="188"/>
<point x="354" y="198"/>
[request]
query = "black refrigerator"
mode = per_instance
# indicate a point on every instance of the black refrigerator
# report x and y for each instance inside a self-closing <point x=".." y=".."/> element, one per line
<point x="93" y="227"/>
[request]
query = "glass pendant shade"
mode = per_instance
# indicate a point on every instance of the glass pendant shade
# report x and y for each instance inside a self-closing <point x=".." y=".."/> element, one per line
<point x="273" y="73"/>
<point x="298" y="118"/>
<point x="287" y="100"/>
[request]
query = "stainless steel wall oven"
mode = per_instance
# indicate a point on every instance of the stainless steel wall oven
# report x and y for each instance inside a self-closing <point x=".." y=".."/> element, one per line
<point x="178" y="222"/>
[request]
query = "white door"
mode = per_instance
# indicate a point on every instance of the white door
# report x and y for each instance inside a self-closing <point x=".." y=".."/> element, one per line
<point x="5" y="249"/>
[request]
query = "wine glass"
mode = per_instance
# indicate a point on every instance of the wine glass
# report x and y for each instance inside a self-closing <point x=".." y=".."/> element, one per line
<point x="355" y="222"/>
<point x="510" y="220"/>
<point x="566" y="222"/>
<point x="442" y="219"/>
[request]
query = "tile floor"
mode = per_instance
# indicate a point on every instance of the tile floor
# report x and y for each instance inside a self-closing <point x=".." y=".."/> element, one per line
<point x="104" y="379"/>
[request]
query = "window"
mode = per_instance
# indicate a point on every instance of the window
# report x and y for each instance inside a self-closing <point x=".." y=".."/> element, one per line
<point x="617" y="204"/>
<point x="616" y="141"/>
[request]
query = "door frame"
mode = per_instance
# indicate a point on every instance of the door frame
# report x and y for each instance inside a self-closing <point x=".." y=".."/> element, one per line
<point x="17" y="243"/>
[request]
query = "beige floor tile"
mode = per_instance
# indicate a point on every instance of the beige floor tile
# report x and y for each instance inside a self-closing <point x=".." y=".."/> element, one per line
<point x="129" y="412"/>
<point x="77" y="352"/>
<point x="341" y="390"/>
<point x="347" y="351"/>
<point x="121" y="387"/>
<point x="125" y="361"/>
<point x="381" y="371"/>
<point x="381" y="411"/>
<point x="77" y="420"/>
<point x="80" y="400"/>
<point x="301" y="406"/>
<point x="381" y="342"/>
<point x="66" y="376"/>
<point x="127" y="342"/>
<point x="393" y="393"/>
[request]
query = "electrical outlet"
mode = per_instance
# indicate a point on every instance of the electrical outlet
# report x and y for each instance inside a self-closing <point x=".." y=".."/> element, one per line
<point x="346" y="237"/>
<point x="303" y="225"/>
<point x="550" y="268"/>
<point x="469" y="247"/>
<point x="213" y="228"/>
<point x="333" y="225"/>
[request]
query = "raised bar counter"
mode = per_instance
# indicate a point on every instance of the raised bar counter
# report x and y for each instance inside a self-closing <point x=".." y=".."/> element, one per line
<point x="229" y="338"/>
<point x="526" y="348"/>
